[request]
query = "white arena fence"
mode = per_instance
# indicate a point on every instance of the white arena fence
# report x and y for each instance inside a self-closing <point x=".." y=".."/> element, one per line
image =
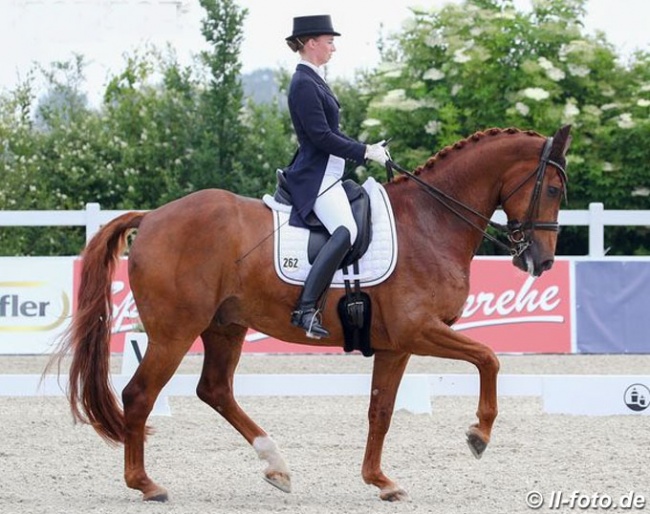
<point x="593" y="395"/>
<point x="93" y="217"/>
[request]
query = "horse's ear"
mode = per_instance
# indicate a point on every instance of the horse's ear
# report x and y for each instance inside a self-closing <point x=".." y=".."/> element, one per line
<point x="561" y="141"/>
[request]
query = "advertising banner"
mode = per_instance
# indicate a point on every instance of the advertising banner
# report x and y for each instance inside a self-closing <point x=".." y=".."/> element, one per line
<point x="507" y="309"/>
<point x="511" y="311"/>
<point x="612" y="306"/>
<point x="35" y="303"/>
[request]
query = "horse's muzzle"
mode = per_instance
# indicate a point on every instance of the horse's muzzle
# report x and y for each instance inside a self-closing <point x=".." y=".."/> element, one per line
<point x="528" y="263"/>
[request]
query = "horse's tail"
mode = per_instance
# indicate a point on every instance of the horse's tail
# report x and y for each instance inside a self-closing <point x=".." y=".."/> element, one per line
<point x="92" y="398"/>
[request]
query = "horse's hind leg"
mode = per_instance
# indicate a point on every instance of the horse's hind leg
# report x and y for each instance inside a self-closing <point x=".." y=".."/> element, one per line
<point x="157" y="367"/>
<point x="388" y="369"/>
<point x="223" y="347"/>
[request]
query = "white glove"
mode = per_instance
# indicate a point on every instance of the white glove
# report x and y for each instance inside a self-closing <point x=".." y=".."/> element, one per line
<point x="378" y="153"/>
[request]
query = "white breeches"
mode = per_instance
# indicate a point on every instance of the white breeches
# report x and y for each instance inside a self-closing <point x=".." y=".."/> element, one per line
<point x="333" y="208"/>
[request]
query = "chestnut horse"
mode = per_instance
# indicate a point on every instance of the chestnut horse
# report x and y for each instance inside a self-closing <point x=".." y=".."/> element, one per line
<point x="189" y="279"/>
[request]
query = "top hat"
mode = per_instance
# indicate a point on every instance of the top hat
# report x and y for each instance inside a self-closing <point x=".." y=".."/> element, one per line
<point x="312" y="26"/>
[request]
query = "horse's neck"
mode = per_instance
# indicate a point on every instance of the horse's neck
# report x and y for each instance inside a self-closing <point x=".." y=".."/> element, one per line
<point x="468" y="181"/>
<point x="465" y="183"/>
<point x="440" y="220"/>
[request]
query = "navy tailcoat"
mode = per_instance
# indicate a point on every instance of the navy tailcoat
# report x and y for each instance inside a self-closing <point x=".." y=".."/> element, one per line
<point x="315" y="116"/>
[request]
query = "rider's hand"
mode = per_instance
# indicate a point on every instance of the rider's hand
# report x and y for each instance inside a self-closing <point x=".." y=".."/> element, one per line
<point x="378" y="153"/>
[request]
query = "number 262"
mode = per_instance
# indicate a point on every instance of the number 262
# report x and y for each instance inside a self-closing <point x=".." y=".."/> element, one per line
<point x="290" y="262"/>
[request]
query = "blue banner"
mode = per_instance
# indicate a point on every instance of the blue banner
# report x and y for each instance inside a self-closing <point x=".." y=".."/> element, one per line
<point x="612" y="306"/>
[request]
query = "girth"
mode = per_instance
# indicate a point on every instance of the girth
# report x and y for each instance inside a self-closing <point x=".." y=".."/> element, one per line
<point x="318" y="234"/>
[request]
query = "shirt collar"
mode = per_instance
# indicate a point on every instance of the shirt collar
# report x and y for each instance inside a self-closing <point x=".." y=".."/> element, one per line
<point x="318" y="69"/>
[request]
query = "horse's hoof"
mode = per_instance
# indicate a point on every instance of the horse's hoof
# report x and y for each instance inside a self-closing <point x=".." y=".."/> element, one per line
<point x="394" y="494"/>
<point x="280" y="480"/>
<point x="476" y="443"/>
<point x="157" y="495"/>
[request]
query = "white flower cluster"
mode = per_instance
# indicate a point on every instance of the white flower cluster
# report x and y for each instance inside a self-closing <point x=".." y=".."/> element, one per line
<point x="578" y="49"/>
<point x="578" y="70"/>
<point x="555" y="74"/>
<point x="433" y="74"/>
<point x="397" y="99"/>
<point x="434" y="40"/>
<point x="522" y="108"/>
<point x="571" y="110"/>
<point x="371" y="122"/>
<point x="433" y="127"/>
<point x="536" y="93"/>
<point x="391" y="69"/>
<point x="461" y="57"/>
<point x="592" y="110"/>
<point x="508" y="14"/>
<point x="625" y="121"/>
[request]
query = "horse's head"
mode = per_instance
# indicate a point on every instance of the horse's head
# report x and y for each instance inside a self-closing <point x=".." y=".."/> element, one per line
<point x="532" y="204"/>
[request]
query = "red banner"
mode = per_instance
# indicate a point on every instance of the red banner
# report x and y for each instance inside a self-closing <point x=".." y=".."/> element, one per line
<point x="506" y="309"/>
<point x="511" y="311"/>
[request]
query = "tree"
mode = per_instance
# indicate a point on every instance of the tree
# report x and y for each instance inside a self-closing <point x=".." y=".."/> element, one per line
<point x="268" y="144"/>
<point x="37" y="146"/>
<point x="149" y="132"/>
<point x="470" y="66"/>
<point x="220" y="145"/>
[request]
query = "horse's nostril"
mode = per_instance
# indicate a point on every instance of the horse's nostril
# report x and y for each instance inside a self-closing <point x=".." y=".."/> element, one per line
<point x="547" y="265"/>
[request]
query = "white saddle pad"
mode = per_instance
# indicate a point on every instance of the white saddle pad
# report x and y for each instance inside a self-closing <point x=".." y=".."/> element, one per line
<point x="290" y="246"/>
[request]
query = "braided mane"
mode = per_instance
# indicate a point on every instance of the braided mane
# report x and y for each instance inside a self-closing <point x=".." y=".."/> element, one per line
<point x="463" y="143"/>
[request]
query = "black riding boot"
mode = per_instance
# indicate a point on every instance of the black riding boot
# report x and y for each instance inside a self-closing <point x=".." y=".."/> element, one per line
<point x="306" y="315"/>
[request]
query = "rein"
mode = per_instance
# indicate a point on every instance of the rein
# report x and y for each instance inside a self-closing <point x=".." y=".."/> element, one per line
<point x="518" y="233"/>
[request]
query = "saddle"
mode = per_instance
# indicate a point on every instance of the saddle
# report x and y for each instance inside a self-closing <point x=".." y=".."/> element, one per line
<point x="360" y="203"/>
<point x="355" y="307"/>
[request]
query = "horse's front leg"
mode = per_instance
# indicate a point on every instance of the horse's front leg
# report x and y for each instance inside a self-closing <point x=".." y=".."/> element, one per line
<point x="387" y="374"/>
<point x="442" y="341"/>
<point x="478" y="435"/>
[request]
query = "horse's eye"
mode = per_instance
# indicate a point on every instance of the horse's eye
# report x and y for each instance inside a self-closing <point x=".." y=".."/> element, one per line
<point x="553" y="191"/>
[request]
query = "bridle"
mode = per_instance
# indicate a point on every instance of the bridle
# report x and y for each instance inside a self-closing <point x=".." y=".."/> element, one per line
<point x="518" y="233"/>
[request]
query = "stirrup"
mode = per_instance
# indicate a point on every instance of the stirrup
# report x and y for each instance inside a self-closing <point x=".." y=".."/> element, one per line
<point x="309" y="321"/>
